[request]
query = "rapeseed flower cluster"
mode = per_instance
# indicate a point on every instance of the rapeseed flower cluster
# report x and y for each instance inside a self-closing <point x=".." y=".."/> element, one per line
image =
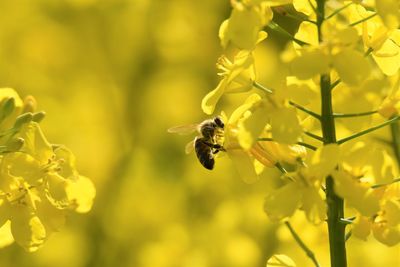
<point x="39" y="182"/>
<point x="346" y="53"/>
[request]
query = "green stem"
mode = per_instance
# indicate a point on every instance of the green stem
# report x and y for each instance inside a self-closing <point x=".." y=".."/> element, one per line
<point x="341" y="141"/>
<point x="303" y="246"/>
<point x="271" y="91"/>
<point x="309" y="112"/>
<point x="336" y="230"/>
<point x="275" y="27"/>
<point x="319" y="138"/>
<point x="298" y="18"/>
<point x="267" y="139"/>
<point x="350" y="115"/>
<point x="362" y="20"/>
<point x="335" y="83"/>
<point x="337" y="11"/>
<point x="313" y="7"/>
<point x="263" y="88"/>
<point x="395" y="132"/>
<point x="385" y="184"/>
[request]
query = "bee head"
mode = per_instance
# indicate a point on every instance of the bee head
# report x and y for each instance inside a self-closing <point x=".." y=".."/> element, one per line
<point x="218" y="121"/>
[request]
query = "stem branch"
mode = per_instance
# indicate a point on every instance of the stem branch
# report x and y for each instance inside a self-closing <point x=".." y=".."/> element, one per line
<point x="309" y="112"/>
<point x="341" y="141"/>
<point x="385" y="184"/>
<point x="349" y="115"/>
<point x="303" y="246"/>
<point x="275" y="27"/>
<point x="319" y="138"/>
<point x="267" y="139"/>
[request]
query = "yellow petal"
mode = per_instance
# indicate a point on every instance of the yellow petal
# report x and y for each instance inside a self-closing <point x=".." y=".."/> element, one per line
<point x="314" y="205"/>
<point x="56" y="191"/>
<point x="81" y="192"/>
<point x="242" y="28"/>
<point x="211" y="99"/>
<point x="23" y="165"/>
<point x="392" y="212"/>
<point x="307" y="32"/>
<point x="253" y="125"/>
<point x="280" y="260"/>
<point x="51" y="217"/>
<point x="5" y="211"/>
<point x="357" y="195"/>
<point x="6" y="237"/>
<point x="239" y="112"/>
<point x="352" y="67"/>
<point x="285" y="125"/>
<point x="36" y="143"/>
<point x="325" y="160"/>
<point x="389" y="236"/>
<point x="244" y="165"/>
<point x="68" y="159"/>
<point x="389" y="11"/>
<point x="283" y="202"/>
<point x="304" y="6"/>
<point x="361" y="227"/>
<point x="388" y="56"/>
<point x="310" y="64"/>
<point x="27" y="229"/>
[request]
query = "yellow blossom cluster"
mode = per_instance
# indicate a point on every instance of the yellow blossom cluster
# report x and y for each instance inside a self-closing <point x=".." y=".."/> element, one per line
<point x="347" y="54"/>
<point x="39" y="183"/>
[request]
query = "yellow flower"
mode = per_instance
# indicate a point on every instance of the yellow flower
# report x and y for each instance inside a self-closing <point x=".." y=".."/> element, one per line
<point x="357" y="194"/>
<point x="391" y="104"/>
<point x="385" y="225"/>
<point x="243" y="28"/>
<point x="384" y="44"/>
<point x="389" y="11"/>
<point x="247" y="123"/>
<point x="304" y="188"/>
<point x="238" y="76"/>
<point x="40" y="184"/>
<point x="335" y="52"/>
<point x="305" y="7"/>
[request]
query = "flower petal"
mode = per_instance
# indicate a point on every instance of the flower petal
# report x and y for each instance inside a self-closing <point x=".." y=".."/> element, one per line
<point x="283" y="202"/>
<point x="81" y="192"/>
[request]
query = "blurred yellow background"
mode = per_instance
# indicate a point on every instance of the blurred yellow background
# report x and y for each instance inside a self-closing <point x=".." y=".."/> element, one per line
<point x="112" y="76"/>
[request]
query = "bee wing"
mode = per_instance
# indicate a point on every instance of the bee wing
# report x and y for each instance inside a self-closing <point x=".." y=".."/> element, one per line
<point x="184" y="129"/>
<point x="189" y="147"/>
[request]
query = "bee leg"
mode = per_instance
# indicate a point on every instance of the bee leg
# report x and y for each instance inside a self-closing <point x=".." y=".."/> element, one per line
<point x="218" y="147"/>
<point x="215" y="146"/>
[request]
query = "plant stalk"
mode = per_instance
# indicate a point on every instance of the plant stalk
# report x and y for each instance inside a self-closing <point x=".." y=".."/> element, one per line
<point x="336" y="230"/>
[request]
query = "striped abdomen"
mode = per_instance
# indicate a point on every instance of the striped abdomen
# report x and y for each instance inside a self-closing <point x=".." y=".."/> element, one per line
<point x="204" y="153"/>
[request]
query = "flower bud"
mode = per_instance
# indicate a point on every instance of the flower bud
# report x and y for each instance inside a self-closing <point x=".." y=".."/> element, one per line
<point x="22" y="119"/>
<point x="30" y="104"/>
<point x="38" y="116"/>
<point x="15" y="144"/>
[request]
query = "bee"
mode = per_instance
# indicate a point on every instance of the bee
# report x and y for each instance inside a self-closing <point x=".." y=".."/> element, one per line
<point x="209" y="141"/>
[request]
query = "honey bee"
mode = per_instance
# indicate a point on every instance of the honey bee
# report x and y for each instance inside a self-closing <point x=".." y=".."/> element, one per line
<point x="209" y="141"/>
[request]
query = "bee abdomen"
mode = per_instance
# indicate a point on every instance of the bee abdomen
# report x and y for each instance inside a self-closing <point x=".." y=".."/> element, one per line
<point x="204" y="153"/>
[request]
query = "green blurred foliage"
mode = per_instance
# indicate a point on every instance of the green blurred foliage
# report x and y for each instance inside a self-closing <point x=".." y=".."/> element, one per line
<point x="112" y="76"/>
